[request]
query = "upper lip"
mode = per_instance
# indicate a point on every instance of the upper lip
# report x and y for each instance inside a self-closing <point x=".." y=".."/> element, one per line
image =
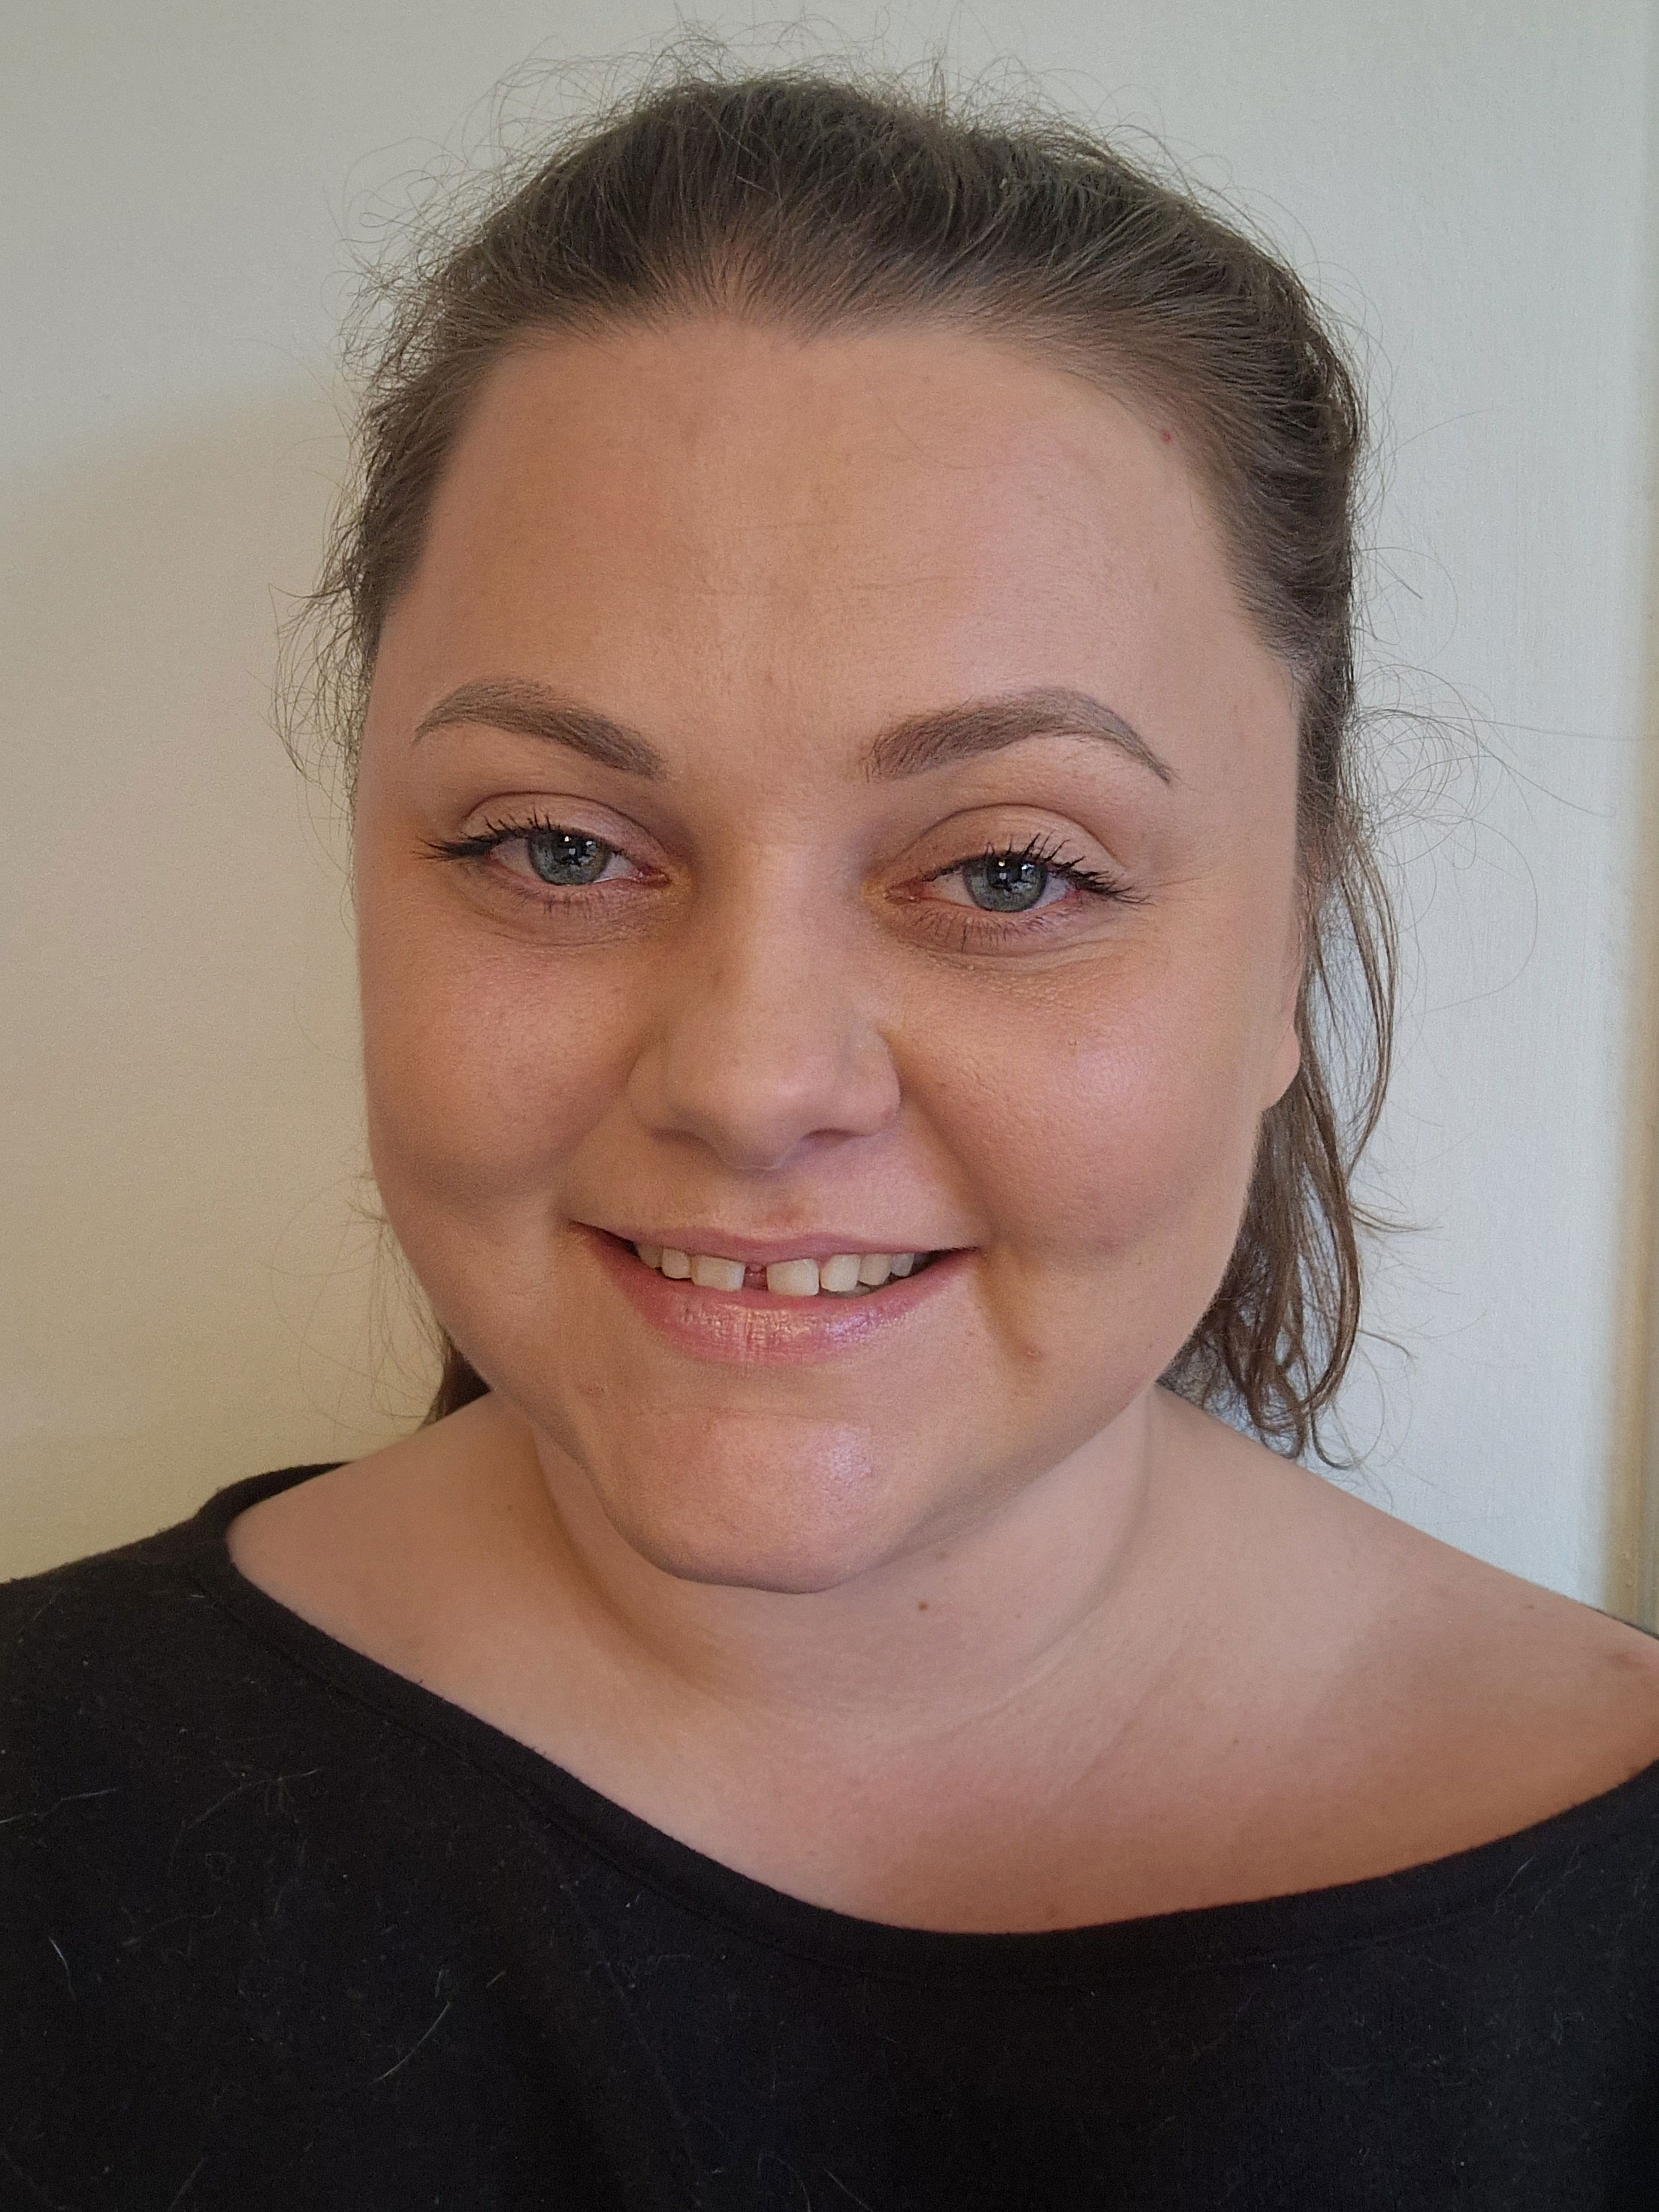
<point x="762" y="1251"/>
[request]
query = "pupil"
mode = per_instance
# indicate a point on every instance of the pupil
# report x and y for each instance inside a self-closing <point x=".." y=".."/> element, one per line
<point x="565" y="856"/>
<point x="1006" y="883"/>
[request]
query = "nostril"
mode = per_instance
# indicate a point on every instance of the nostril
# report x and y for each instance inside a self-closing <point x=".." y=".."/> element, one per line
<point x="756" y="1091"/>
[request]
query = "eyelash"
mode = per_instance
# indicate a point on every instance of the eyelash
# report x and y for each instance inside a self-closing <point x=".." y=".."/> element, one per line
<point x="968" y="921"/>
<point x="1044" y="853"/>
<point x="482" y="842"/>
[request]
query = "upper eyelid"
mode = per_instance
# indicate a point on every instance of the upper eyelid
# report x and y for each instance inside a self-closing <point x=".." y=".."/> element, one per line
<point x="1057" y="843"/>
<point x="500" y="821"/>
<point x="1046" y="853"/>
<point x="503" y="829"/>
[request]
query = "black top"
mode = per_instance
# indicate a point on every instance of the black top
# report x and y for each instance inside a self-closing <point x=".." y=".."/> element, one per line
<point x="281" y="1929"/>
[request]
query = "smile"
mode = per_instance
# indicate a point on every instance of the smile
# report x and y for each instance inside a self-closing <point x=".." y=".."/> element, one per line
<point x="844" y="1274"/>
<point x="774" y="1305"/>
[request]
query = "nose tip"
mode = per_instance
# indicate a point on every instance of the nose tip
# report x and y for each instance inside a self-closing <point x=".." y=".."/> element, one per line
<point x="754" y="1084"/>
<point x="755" y="1117"/>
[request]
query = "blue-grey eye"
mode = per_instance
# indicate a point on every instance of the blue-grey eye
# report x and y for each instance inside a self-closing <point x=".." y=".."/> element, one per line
<point x="1006" y="883"/>
<point x="566" y="856"/>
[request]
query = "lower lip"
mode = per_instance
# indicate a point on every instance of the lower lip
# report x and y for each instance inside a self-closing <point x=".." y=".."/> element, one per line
<point x="748" y="1329"/>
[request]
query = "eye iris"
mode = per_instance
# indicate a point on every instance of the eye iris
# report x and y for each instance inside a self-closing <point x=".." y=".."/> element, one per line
<point x="1007" y="883"/>
<point x="565" y="856"/>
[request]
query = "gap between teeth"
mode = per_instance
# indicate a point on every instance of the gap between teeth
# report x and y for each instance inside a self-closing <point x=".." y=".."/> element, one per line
<point x="845" y="1273"/>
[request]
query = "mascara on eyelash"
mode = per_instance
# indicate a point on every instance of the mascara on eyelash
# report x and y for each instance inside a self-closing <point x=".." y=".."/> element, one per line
<point x="1045" y="854"/>
<point x="495" y="834"/>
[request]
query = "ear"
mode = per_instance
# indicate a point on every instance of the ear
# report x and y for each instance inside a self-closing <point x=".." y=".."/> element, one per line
<point x="1285" y="1065"/>
<point x="1286" y="1058"/>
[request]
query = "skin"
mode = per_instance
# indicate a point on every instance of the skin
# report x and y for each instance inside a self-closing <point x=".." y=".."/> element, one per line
<point x="955" y="1626"/>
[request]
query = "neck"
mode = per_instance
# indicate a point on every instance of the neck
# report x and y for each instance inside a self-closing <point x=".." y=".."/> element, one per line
<point x="949" y="1636"/>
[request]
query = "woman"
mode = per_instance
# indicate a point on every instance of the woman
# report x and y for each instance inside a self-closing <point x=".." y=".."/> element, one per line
<point x="845" y="659"/>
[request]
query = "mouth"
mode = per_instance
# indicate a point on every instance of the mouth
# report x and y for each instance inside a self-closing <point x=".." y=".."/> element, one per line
<point x="797" y="1276"/>
<point x="774" y="1303"/>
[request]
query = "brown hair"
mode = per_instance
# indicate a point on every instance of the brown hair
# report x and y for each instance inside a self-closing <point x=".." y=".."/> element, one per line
<point x="815" y="204"/>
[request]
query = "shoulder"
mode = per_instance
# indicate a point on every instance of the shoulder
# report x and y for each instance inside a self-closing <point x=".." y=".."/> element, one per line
<point x="1494" y="1645"/>
<point x="1473" y="1701"/>
<point x="123" y="1678"/>
<point x="129" y="1615"/>
<point x="70" y="1636"/>
<point x="1395" y="1699"/>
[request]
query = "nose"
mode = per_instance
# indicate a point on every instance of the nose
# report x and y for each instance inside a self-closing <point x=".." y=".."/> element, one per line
<point x="764" y="1040"/>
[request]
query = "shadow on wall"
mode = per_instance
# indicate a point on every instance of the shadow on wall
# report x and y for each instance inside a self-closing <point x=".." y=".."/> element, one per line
<point x="189" y="1276"/>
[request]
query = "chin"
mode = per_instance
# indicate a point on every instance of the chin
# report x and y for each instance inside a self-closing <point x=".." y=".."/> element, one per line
<point x="801" y="1571"/>
<point x="726" y="1519"/>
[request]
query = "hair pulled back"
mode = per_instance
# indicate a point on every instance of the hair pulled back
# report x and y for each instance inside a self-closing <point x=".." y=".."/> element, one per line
<point x="803" y="200"/>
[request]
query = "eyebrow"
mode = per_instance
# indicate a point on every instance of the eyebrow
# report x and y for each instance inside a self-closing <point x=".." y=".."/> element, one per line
<point x="943" y="734"/>
<point x="912" y="746"/>
<point x="533" y="710"/>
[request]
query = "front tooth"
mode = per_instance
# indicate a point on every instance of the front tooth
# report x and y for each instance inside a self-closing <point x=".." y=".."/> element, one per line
<point x="711" y="1273"/>
<point x="651" y="1253"/>
<point x="840" y="1272"/>
<point x="902" y="1263"/>
<point x="874" y="1268"/>
<point x="794" y="1279"/>
<point x="676" y="1264"/>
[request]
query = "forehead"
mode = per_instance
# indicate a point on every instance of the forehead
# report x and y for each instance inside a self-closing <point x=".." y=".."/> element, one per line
<point x="698" y="525"/>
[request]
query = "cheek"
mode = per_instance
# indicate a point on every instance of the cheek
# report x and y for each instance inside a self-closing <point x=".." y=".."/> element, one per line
<point x="485" y="1064"/>
<point x="1117" y="1127"/>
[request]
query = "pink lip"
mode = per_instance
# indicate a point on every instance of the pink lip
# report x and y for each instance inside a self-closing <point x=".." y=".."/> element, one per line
<point x="752" y="1327"/>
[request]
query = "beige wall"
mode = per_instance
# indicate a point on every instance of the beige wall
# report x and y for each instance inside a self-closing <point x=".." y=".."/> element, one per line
<point x="187" y="1275"/>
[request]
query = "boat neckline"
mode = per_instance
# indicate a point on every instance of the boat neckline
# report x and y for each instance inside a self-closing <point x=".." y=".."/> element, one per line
<point x="1330" y="1919"/>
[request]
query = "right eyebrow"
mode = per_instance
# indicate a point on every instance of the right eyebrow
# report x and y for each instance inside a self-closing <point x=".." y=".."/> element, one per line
<point x="533" y="710"/>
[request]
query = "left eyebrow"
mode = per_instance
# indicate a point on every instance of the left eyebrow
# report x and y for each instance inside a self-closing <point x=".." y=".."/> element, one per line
<point x="943" y="734"/>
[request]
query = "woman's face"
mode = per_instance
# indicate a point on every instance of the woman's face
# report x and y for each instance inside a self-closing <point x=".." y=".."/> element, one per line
<point x="728" y="660"/>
